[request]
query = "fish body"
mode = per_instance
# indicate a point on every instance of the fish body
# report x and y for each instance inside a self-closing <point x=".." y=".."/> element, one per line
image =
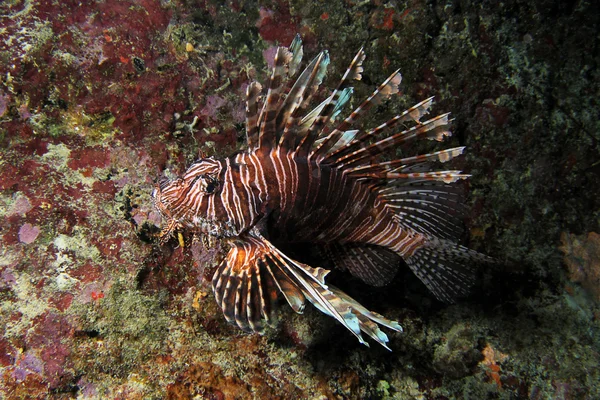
<point x="306" y="179"/>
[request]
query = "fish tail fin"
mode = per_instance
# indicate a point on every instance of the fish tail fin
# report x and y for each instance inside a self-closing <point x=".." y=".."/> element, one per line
<point x="446" y="268"/>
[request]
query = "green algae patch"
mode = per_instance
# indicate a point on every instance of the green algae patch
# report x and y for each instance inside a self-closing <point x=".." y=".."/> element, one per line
<point x="120" y="330"/>
<point x="77" y="244"/>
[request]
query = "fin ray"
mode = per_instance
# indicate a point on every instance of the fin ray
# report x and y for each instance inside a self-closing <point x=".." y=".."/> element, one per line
<point x="252" y="94"/>
<point x="353" y="72"/>
<point x="268" y="116"/>
<point x="389" y="87"/>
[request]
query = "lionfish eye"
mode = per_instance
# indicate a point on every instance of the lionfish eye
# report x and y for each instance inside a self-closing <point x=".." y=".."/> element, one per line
<point x="207" y="183"/>
<point x="210" y="183"/>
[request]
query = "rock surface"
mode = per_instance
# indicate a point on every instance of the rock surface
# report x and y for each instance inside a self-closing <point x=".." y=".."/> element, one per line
<point x="97" y="99"/>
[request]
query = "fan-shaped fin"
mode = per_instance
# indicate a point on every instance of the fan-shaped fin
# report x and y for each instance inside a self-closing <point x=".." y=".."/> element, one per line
<point x="354" y="71"/>
<point x="309" y="118"/>
<point x="298" y="99"/>
<point x="432" y="208"/>
<point x="389" y="87"/>
<point x="343" y="308"/>
<point x="357" y="318"/>
<point x="434" y="129"/>
<point x="246" y="285"/>
<point x="375" y="265"/>
<point x="293" y="295"/>
<point x="244" y="288"/>
<point x="415" y="113"/>
<point x="445" y="268"/>
<point x="403" y="163"/>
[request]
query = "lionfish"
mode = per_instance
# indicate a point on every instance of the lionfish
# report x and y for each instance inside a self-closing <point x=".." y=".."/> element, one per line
<point x="305" y="180"/>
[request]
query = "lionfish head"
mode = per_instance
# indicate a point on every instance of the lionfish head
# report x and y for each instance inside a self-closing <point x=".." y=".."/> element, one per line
<point x="182" y="200"/>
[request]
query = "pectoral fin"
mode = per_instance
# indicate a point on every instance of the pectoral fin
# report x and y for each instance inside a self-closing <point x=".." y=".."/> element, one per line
<point x="247" y="283"/>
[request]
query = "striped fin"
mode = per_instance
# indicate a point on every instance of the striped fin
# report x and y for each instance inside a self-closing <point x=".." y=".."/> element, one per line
<point x="369" y="319"/>
<point x="414" y="113"/>
<point x="374" y="265"/>
<point x="312" y="284"/>
<point x="309" y="118"/>
<point x="445" y="268"/>
<point x="246" y="284"/>
<point x="268" y="115"/>
<point x="299" y="96"/>
<point x="441" y="156"/>
<point x="252" y="94"/>
<point x="434" y="129"/>
<point x="293" y="295"/>
<point x="389" y="87"/>
<point x="294" y="97"/>
<point x="390" y="166"/>
<point x="332" y="301"/>
<point x="354" y="72"/>
<point x="357" y="318"/>
<point x="430" y="208"/>
<point x="346" y="138"/>
<point x="441" y="176"/>
<point x="243" y="287"/>
<point x="297" y="50"/>
<point x="345" y="96"/>
<point x="299" y="99"/>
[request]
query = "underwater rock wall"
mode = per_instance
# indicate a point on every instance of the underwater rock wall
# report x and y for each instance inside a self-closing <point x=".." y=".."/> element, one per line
<point x="97" y="99"/>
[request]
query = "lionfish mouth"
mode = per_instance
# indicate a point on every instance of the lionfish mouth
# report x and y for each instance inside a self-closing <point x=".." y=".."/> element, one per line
<point x="158" y="200"/>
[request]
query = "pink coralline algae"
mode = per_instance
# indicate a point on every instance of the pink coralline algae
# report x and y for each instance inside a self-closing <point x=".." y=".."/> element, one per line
<point x="22" y="206"/>
<point x="28" y="233"/>
<point x="213" y="103"/>
<point x="26" y="364"/>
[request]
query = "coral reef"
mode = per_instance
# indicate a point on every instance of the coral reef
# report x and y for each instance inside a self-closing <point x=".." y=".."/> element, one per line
<point x="97" y="99"/>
